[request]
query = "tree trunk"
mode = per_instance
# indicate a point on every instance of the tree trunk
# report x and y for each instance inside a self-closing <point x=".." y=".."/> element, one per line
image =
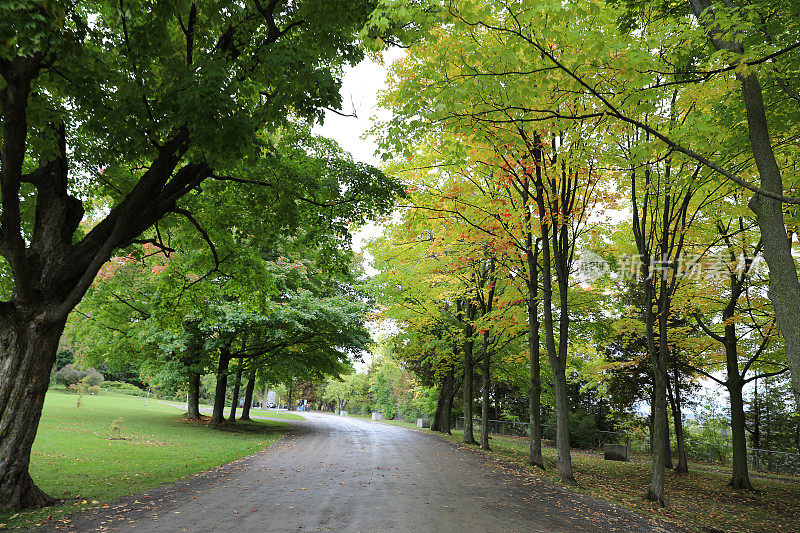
<point x="447" y="411"/>
<point x="468" y="437"/>
<point x="218" y="414"/>
<point x="487" y="381"/>
<point x="677" y="415"/>
<point x="236" y="387"/>
<point x="193" y="397"/>
<point x="248" y="395"/>
<point x="447" y="390"/>
<point x="668" y="444"/>
<point x="557" y="365"/>
<point x="784" y="286"/>
<point x="740" y="478"/>
<point x="658" y="360"/>
<point x="535" y="390"/>
<point x="28" y="353"/>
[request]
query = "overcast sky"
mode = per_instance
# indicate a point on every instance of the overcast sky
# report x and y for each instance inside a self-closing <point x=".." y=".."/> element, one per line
<point x="360" y="87"/>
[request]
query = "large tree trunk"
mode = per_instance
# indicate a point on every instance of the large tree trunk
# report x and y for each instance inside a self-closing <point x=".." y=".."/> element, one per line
<point x="193" y="397"/>
<point x="447" y="411"/>
<point x="27" y="356"/>
<point x="557" y="364"/>
<point x="236" y="387"/>
<point x="218" y="415"/>
<point x="248" y="395"/>
<point x="658" y="360"/>
<point x="444" y="405"/>
<point x="784" y="287"/>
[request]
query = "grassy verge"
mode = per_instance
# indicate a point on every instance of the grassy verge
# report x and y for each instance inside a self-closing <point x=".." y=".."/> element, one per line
<point x="80" y="456"/>
<point x="254" y="412"/>
<point x="401" y="423"/>
<point x="698" y="501"/>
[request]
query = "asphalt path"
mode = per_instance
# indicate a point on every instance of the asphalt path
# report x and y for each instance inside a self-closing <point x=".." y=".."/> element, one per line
<point x="335" y="473"/>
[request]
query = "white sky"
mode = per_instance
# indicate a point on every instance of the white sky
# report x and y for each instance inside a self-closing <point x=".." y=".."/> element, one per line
<point x="360" y="87"/>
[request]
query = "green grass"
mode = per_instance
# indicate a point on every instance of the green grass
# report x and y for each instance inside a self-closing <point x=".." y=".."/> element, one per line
<point x="697" y="501"/>
<point x="77" y="456"/>
<point x="254" y="412"/>
<point x="401" y="423"/>
<point x="270" y="413"/>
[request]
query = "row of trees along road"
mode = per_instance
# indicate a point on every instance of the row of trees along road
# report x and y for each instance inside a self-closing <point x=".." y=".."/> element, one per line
<point x="134" y="134"/>
<point x="533" y="123"/>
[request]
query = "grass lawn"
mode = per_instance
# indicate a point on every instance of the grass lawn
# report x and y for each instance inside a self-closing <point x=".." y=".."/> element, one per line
<point x="272" y="413"/>
<point x="698" y="501"/>
<point x="78" y="456"/>
<point x="254" y="412"/>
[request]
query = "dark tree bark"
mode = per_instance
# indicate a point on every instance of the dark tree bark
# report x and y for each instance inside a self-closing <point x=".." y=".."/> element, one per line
<point x="448" y="388"/>
<point x="236" y="387"/>
<point x="486" y="383"/>
<point x="218" y="414"/>
<point x="677" y="416"/>
<point x="556" y="251"/>
<point x="193" y="397"/>
<point x="535" y="391"/>
<point x="486" y="300"/>
<point x="248" y="395"/>
<point x="27" y="358"/>
<point x="469" y="331"/>
<point x="667" y="441"/>
<point x="740" y="476"/>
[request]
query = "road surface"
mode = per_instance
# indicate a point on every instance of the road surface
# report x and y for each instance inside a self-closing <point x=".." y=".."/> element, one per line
<point x="334" y="473"/>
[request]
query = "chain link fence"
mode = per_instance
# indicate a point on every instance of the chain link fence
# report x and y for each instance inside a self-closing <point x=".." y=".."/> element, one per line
<point x="697" y="451"/>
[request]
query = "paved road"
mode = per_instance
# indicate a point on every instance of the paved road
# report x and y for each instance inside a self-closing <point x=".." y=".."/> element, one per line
<point x="342" y="474"/>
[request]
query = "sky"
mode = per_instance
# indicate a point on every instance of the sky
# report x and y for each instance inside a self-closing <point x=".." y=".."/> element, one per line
<point x="360" y="87"/>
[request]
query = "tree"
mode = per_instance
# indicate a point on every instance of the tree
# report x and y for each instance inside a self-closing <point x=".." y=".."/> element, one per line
<point x="133" y="106"/>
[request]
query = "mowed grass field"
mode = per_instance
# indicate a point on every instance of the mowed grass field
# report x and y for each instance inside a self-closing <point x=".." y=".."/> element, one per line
<point x="113" y="445"/>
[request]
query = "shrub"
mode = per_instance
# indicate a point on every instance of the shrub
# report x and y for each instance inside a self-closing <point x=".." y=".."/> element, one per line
<point x="68" y="375"/>
<point x="93" y="377"/>
<point x="124" y="388"/>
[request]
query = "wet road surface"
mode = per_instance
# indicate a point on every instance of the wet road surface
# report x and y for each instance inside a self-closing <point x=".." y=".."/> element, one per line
<point x="335" y="473"/>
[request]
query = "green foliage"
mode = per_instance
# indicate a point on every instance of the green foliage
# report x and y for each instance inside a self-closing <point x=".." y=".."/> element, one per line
<point x="124" y="388"/>
<point x="64" y="357"/>
<point x="383" y="395"/>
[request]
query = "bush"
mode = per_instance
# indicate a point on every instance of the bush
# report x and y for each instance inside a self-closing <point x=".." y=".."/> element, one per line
<point x="93" y="377"/>
<point x="68" y="375"/>
<point x="124" y="388"/>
